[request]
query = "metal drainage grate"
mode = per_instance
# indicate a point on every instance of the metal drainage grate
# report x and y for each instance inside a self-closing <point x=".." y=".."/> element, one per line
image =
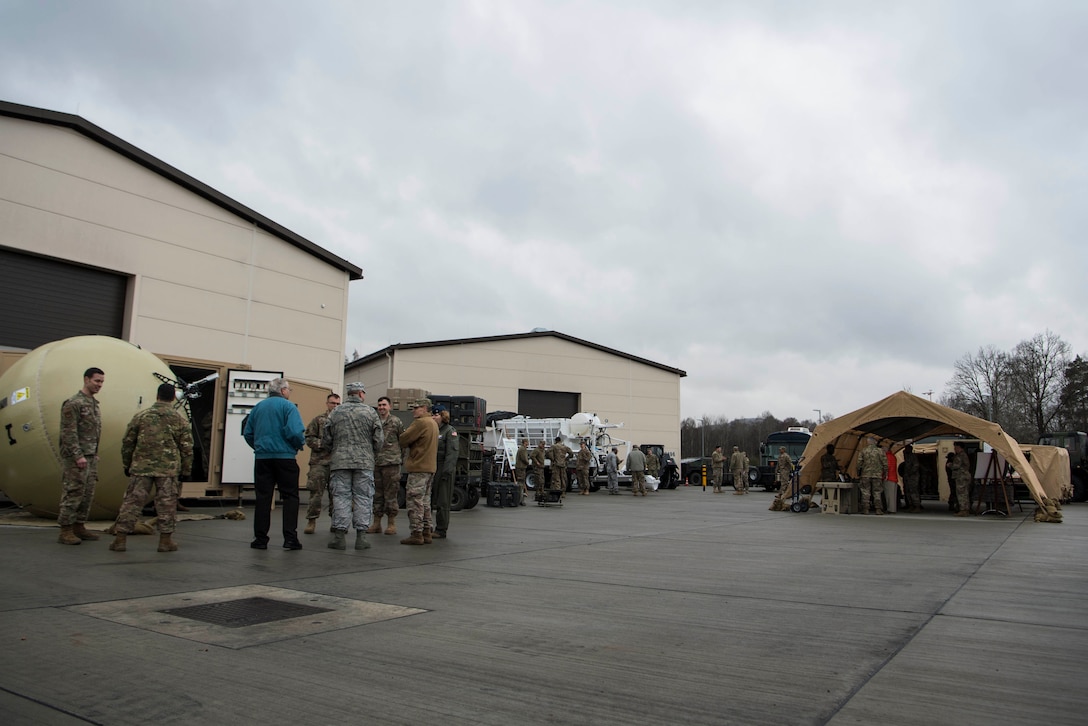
<point x="245" y="612"/>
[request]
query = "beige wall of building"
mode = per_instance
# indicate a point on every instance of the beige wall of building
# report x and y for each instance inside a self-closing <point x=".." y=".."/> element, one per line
<point x="203" y="282"/>
<point x="643" y="397"/>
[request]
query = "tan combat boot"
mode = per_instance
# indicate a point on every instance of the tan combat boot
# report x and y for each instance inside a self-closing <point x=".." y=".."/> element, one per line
<point x="68" y="537"/>
<point x="166" y="543"/>
<point x="961" y="513"/>
<point x="79" y="530"/>
<point x="415" y="539"/>
<point x="375" y="524"/>
<point x="427" y="538"/>
<point x="392" y="528"/>
<point x="118" y="544"/>
<point x="311" y="525"/>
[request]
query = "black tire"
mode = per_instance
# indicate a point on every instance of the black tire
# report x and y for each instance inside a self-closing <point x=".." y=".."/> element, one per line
<point x="457" y="501"/>
<point x="797" y="507"/>
<point x="1080" y="488"/>
<point x="753" y="476"/>
<point x="804" y="506"/>
<point x="530" y="481"/>
<point x="695" y="478"/>
<point x="473" y="498"/>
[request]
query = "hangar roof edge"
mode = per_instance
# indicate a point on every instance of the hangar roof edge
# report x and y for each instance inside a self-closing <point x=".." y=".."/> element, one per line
<point x="146" y="160"/>
<point x="515" y="336"/>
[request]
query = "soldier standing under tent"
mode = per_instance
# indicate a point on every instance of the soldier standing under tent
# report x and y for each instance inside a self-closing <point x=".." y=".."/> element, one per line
<point x="636" y="467"/>
<point x="449" y="449"/>
<point x="317" y="478"/>
<point x="558" y="454"/>
<point x="80" y="430"/>
<point x="738" y="464"/>
<point x="911" y="474"/>
<point x="420" y="441"/>
<point x="156" y="450"/>
<point x="582" y="461"/>
<point x="387" y="470"/>
<point x="539" y="459"/>
<point x="829" y="465"/>
<point x="872" y="471"/>
<point x="717" y="468"/>
<point x="961" y="476"/>
<point x="521" y="468"/>
<point x="352" y="435"/>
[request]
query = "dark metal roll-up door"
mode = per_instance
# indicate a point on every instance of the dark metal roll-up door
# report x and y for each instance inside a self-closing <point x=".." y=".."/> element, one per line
<point x="44" y="299"/>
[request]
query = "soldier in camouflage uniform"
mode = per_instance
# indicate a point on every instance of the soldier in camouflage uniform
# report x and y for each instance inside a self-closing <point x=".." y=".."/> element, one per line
<point x="352" y="434"/>
<point x="581" y="467"/>
<point x="521" y="468"/>
<point x="717" y="468"/>
<point x="80" y="430"/>
<point x="449" y="450"/>
<point x="317" y="478"/>
<point x="157" y="449"/>
<point x="558" y="455"/>
<point x="539" y="458"/>
<point x="653" y="465"/>
<point x="420" y="441"/>
<point x="872" y="471"/>
<point x="738" y="464"/>
<point x="636" y="467"/>
<point x="387" y="469"/>
<point x="961" y="477"/>
<point x="912" y="471"/>
<point x="782" y="473"/>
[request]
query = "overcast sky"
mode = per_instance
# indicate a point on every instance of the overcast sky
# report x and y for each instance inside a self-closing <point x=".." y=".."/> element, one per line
<point x="805" y="205"/>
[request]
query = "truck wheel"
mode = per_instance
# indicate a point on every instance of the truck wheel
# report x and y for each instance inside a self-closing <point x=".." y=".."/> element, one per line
<point x="1080" y="488"/>
<point x="473" y="498"/>
<point x="457" y="501"/>
<point x="753" y="476"/>
<point x="695" y="478"/>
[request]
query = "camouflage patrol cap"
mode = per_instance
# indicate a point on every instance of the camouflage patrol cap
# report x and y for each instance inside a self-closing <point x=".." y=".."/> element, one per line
<point x="355" y="387"/>
<point x="425" y="402"/>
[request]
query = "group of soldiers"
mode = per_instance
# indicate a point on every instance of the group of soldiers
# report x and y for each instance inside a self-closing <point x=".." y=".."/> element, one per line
<point x="428" y="450"/>
<point x="638" y="465"/>
<point x="738" y="467"/>
<point x="157" y="449"/>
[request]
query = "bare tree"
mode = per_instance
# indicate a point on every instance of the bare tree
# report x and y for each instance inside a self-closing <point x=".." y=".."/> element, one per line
<point x="981" y="385"/>
<point x="1038" y="376"/>
<point x="1074" y="399"/>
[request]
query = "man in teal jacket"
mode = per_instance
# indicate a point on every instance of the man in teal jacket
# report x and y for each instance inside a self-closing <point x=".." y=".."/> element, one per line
<point x="275" y="432"/>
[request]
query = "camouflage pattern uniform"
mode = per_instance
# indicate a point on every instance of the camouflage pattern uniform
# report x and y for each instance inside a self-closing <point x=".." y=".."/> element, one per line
<point x="717" y="466"/>
<point x="80" y="430"/>
<point x="317" y="478"/>
<point x="420" y="441"/>
<point x="521" y="467"/>
<point x="558" y="454"/>
<point x="352" y="435"/>
<point x="912" y="471"/>
<point x="449" y="449"/>
<point x="636" y="467"/>
<point x="872" y="470"/>
<point x="387" y="471"/>
<point x="653" y="465"/>
<point x="539" y="458"/>
<point x="783" y="471"/>
<point x="739" y="470"/>
<point x="581" y="467"/>
<point x="829" y="468"/>
<point x="156" y="450"/>
<point x="961" y="477"/>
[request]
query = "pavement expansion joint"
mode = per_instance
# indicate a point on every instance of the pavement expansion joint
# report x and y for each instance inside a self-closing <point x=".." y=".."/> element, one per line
<point x="245" y="616"/>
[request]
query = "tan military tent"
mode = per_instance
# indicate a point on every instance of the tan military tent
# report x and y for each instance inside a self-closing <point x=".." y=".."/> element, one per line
<point x="902" y="417"/>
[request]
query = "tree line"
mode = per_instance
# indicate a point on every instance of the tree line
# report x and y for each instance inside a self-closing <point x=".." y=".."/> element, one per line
<point x="1036" y="387"/>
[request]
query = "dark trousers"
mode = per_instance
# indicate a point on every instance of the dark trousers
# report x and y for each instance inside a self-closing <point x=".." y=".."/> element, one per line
<point x="441" y="499"/>
<point x="267" y="475"/>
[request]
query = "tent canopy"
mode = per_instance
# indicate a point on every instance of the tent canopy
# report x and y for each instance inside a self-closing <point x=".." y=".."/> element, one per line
<point x="901" y="418"/>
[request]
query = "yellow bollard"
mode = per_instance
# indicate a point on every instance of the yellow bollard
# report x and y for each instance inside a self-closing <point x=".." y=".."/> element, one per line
<point x="704" y="477"/>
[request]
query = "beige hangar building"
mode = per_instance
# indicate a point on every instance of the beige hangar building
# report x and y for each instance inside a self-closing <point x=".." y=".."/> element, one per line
<point x="542" y="374"/>
<point x="97" y="237"/>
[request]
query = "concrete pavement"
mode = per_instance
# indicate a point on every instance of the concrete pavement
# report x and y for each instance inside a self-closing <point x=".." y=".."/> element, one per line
<point x="682" y="607"/>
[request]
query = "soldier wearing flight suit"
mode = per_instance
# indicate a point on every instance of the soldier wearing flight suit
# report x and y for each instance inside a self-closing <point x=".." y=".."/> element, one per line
<point x="80" y="430"/>
<point x="157" y="449"/>
<point x="449" y="449"/>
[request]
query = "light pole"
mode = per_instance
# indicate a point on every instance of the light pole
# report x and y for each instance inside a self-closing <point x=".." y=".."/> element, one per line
<point x="819" y="415"/>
